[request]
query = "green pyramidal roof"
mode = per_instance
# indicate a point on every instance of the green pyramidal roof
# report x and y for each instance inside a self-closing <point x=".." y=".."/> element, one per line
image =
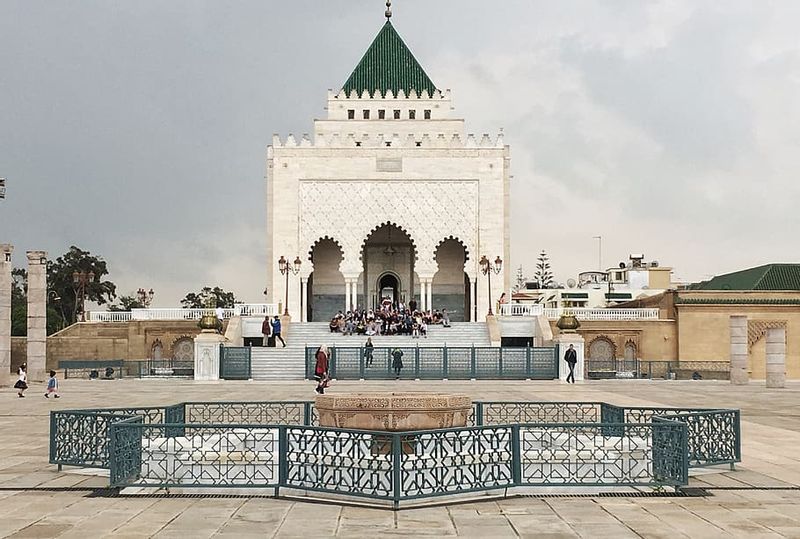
<point x="768" y="277"/>
<point x="388" y="65"/>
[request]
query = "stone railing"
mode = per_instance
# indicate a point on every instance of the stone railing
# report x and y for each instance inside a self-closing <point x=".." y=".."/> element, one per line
<point x="242" y="309"/>
<point x="604" y="314"/>
<point x="520" y="309"/>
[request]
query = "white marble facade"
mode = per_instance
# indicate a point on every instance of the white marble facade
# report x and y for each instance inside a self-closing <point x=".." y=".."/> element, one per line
<point x="417" y="173"/>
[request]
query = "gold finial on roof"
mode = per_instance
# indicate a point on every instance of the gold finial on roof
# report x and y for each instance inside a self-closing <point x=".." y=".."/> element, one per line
<point x="388" y="9"/>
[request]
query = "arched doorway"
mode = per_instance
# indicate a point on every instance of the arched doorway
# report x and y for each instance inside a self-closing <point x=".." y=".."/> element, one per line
<point x="326" y="283"/>
<point x="450" y="282"/>
<point x="389" y="287"/>
<point x="388" y="258"/>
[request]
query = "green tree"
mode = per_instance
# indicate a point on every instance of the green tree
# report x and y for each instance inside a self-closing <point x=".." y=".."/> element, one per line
<point x="60" y="280"/>
<point x="543" y="273"/>
<point x="126" y="303"/>
<point x="209" y="297"/>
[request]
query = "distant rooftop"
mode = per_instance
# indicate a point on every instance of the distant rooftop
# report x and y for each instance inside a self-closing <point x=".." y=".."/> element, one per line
<point x="767" y="277"/>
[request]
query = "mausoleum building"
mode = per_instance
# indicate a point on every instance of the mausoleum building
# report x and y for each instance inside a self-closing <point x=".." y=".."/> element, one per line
<point x="388" y="197"/>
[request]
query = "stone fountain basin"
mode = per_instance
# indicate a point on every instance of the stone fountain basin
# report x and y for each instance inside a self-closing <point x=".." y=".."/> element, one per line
<point x="393" y="412"/>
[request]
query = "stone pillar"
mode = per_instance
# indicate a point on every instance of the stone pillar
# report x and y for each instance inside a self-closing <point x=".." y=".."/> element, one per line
<point x="347" y="295"/>
<point x="776" y="357"/>
<point x="430" y="295"/>
<point x="354" y="291"/>
<point x="562" y="344"/>
<point x="5" y="313"/>
<point x="304" y="299"/>
<point x="473" y="284"/>
<point x="37" y="315"/>
<point x="423" y="296"/>
<point x="739" y="374"/>
<point x="206" y="355"/>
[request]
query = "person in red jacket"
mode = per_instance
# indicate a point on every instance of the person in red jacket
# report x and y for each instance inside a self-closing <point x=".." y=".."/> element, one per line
<point x="321" y="369"/>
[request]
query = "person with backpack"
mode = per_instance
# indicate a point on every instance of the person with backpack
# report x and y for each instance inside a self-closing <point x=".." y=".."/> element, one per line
<point x="52" y="386"/>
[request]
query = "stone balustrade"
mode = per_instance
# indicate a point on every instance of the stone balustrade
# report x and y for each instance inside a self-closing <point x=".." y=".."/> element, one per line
<point x="243" y="309"/>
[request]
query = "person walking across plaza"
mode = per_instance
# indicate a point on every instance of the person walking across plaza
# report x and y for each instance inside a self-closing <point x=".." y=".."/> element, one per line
<point x="571" y="357"/>
<point x="321" y="369"/>
<point x="276" y="331"/>
<point x="52" y="386"/>
<point x="368" y="348"/>
<point x="397" y="362"/>
<point x="22" y="382"/>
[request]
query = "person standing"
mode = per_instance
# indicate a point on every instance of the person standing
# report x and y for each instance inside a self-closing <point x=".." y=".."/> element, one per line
<point x="321" y="369"/>
<point x="571" y="357"/>
<point x="397" y="362"/>
<point x="276" y="330"/>
<point x="368" y="348"/>
<point x="52" y="386"/>
<point x="266" y="330"/>
<point x="22" y="383"/>
<point x="220" y="315"/>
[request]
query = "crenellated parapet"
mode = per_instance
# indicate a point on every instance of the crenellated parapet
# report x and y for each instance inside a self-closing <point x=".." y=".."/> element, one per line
<point x="389" y="140"/>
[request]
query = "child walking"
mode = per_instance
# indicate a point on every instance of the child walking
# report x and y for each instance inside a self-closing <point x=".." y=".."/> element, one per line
<point x="22" y="383"/>
<point x="52" y="386"/>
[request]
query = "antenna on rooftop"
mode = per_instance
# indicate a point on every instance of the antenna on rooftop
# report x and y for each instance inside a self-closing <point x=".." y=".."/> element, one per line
<point x="388" y="9"/>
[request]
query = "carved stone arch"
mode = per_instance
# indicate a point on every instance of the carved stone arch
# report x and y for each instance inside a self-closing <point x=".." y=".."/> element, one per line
<point x="321" y="239"/>
<point x="157" y="350"/>
<point x="448" y="238"/>
<point x="602" y="348"/>
<point x="391" y="224"/>
<point x="630" y="350"/>
<point x="183" y="348"/>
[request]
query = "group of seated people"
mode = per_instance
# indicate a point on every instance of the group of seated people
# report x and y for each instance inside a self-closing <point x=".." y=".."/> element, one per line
<point x="390" y="319"/>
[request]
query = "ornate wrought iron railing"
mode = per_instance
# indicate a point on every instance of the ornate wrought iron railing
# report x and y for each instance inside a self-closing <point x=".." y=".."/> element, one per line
<point x="509" y="444"/>
<point x="437" y="363"/>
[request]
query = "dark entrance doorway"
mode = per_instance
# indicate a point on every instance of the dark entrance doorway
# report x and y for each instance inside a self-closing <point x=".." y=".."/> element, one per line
<point x="389" y="287"/>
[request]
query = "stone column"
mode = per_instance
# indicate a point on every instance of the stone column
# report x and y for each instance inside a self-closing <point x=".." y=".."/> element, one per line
<point x="473" y="283"/>
<point x="562" y="344"/>
<point x="422" y="295"/>
<point x="5" y="313"/>
<point x="304" y="299"/>
<point x="37" y="315"/>
<point x="347" y="294"/>
<point x="776" y="357"/>
<point x="430" y="295"/>
<point x="354" y="291"/>
<point x="739" y="374"/>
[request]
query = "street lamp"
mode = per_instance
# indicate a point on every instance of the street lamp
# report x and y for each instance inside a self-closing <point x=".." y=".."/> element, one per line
<point x="286" y="268"/>
<point x="145" y="297"/>
<point x="487" y="269"/>
<point x="80" y="279"/>
<point x="53" y="297"/>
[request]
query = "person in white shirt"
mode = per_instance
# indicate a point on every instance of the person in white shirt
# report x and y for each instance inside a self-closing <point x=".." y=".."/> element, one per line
<point x="220" y="313"/>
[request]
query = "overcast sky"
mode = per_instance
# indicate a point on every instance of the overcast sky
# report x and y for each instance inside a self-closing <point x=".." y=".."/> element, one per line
<point x="137" y="130"/>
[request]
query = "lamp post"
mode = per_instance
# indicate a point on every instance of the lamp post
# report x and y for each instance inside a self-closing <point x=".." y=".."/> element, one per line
<point x="80" y="279"/>
<point x="488" y="268"/>
<point x="52" y="296"/>
<point x="286" y="268"/>
<point x="145" y="297"/>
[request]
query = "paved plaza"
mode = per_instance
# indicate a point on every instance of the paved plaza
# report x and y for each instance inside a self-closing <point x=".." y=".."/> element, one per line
<point x="761" y="498"/>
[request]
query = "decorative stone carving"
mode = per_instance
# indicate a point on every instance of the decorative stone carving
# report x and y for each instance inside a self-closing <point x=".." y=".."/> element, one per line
<point x="757" y="329"/>
<point x="394" y="412"/>
<point x="428" y="211"/>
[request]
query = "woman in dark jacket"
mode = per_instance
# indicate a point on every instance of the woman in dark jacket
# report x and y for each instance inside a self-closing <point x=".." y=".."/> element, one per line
<point x="321" y="369"/>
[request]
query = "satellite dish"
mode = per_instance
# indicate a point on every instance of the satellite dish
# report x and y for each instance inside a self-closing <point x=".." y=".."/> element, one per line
<point x="571" y="283"/>
<point x="622" y="265"/>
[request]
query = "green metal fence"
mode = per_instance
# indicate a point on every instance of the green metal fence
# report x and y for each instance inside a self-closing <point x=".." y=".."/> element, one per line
<point x="543" y="443"/>
<point x="437" y="363"/>
<point x="397" y="467"/>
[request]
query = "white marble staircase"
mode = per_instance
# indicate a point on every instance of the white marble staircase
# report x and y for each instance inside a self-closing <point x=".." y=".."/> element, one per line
<point x="289" y="363"/>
